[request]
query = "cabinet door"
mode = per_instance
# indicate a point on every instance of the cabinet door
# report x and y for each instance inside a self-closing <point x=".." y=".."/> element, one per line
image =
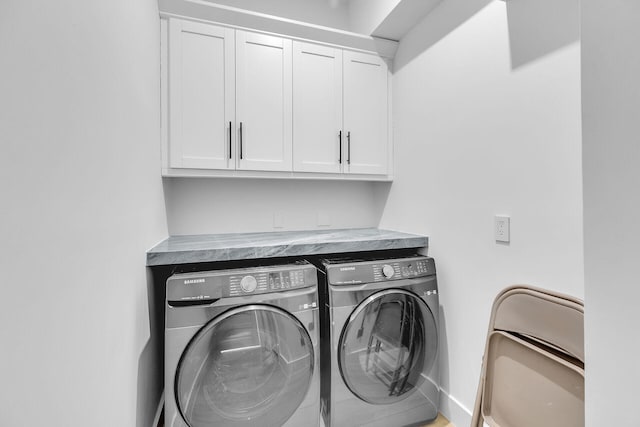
<point x="201" y="95"/>
<point x="317" y="112"/>
<point x="263" y="96"/>
<point x="365" y="113"/>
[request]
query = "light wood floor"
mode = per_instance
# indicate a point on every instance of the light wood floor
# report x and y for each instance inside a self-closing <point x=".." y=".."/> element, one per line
<point x="440" y="422"/>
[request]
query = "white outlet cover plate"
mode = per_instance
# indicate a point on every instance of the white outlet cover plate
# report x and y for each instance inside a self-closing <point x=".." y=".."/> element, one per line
<point x="502" y="228"/>
<point x="324" y="219"/>
<point x="278" y="219"/>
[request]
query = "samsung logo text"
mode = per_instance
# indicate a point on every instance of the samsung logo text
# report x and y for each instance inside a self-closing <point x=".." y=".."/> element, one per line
<point x="193" y="281"/>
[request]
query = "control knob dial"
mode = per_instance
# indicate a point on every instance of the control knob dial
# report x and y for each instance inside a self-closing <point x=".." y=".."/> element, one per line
<point x="248" y="283"/>
<point x="387" y="271"/>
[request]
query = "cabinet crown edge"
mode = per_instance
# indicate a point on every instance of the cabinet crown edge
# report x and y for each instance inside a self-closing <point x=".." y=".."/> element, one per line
<point x="201" y="11"/>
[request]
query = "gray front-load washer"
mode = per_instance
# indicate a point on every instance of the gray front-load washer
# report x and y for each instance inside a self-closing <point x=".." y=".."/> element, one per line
<point x="241" y="348"/>
<point x="379" y="361"/>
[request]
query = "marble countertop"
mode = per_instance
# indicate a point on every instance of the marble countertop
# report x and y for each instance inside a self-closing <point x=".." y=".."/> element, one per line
<point x="238" y="246"/>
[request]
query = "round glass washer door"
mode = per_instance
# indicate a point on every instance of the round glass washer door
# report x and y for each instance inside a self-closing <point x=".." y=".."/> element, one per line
<point x="252" y="365"/>
<point x="388" y="346"/>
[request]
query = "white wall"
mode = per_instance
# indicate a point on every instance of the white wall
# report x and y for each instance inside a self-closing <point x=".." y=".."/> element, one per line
<point x="81" y="203"/>
<point x="201" y="206"/>
<point x="476" y="135"/>
<point x="366" y="15"/>
<point x="611" y="159"/>
<point x="328" y="13"/>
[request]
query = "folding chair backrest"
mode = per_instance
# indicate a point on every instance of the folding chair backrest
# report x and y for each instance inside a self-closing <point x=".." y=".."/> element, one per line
<point x="553" y="318"/>
<point x="533" y="366"/>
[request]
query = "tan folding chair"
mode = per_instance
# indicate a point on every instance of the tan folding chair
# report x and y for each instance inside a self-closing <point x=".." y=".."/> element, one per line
<point x="533" y="365"/>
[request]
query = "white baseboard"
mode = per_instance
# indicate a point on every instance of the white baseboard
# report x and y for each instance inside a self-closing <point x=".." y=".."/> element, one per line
<point x="156" y="419"/>
<point x="453" y="410"/>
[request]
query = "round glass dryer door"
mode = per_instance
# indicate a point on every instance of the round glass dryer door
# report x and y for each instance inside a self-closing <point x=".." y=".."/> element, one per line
<point x="250" y="366"/>
<point x="388" y="346"/>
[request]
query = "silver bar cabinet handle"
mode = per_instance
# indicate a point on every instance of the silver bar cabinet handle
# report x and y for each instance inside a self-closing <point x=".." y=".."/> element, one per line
<point x="240" y="140"/>
<point x="349" y="147"/>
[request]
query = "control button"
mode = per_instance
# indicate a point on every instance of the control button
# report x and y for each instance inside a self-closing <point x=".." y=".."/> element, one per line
<point x="248" y="283"/>
<point x="387" y="271"/>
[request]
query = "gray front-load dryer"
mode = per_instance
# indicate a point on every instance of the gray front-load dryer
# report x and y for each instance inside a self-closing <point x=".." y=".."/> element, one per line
<point x="380" y="353"/>
<point x="241" y="348"/>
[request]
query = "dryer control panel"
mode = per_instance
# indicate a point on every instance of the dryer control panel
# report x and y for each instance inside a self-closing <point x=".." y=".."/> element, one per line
<point x="351" y="272"/>
<point x="208" y="286"/>
<point x="266" y="281"/>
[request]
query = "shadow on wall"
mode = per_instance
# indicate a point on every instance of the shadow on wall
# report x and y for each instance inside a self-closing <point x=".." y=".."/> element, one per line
<point x="539" y="27"/>
<point x="443" y="19"/>
<point x="151" y="361"/>
<point x="536" y="28"/>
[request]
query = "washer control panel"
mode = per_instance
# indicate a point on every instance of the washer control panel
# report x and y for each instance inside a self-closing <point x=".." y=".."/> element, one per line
<point x="209" y="286"/>
<point x="359" y="271"/>
<point x="266" y="281"/>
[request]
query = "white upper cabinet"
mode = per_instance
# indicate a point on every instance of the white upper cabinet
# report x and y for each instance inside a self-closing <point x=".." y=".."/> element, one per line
<point x="245" y="104"/>
<point x="317" y="112"/>
<point x="263" y="102"/>
<point x="202" y="98"/>
<point x="366" y="115"/>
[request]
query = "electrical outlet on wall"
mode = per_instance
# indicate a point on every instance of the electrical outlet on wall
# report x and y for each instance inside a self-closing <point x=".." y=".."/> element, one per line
<point x="502" y="228"/>
<point x="278" y="219"/>
<point x="324" y="219"/>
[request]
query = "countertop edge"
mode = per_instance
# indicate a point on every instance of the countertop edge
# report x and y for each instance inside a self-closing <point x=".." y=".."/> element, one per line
<point x="396" y="240"/>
